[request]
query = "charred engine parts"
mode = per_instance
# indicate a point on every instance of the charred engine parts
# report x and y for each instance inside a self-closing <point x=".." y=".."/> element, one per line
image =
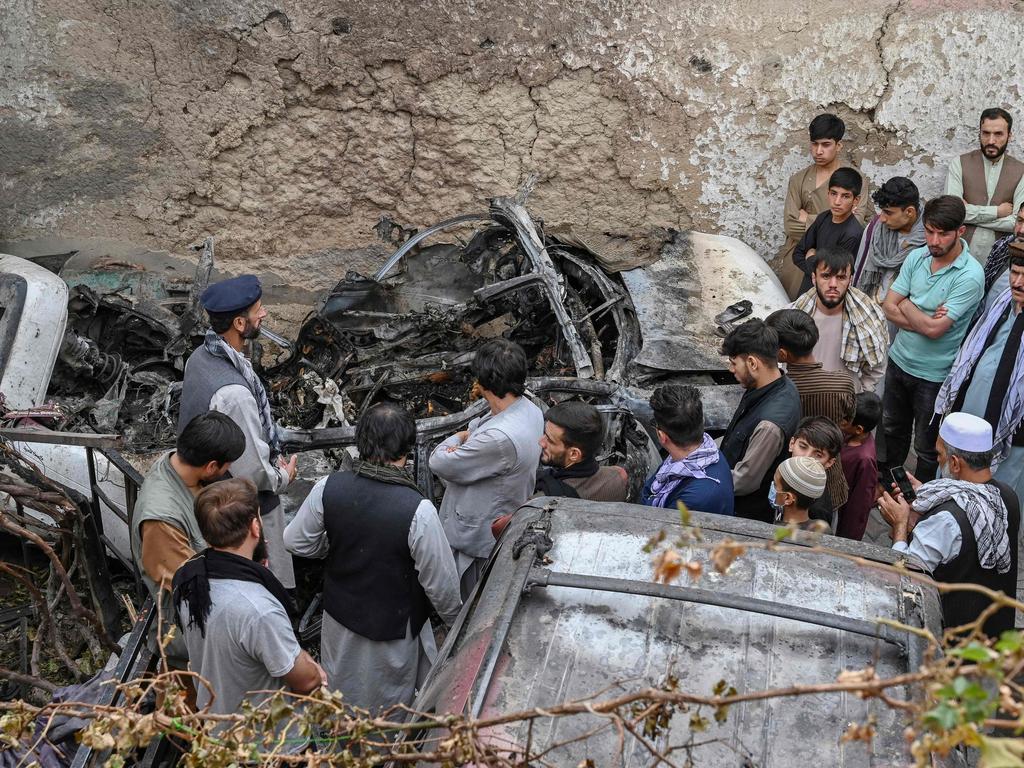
<point x="84" y="357"/>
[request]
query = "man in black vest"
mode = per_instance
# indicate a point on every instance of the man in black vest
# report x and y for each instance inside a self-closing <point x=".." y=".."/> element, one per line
<point x="963" y="527"/>
<point x="388" y="561"/>
<point x="219" y="377"/>
<point x="755" y="442"/>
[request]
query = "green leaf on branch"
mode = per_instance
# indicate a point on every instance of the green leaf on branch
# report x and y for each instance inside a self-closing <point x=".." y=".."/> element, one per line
<point x="1001" y="753"/>
<point x="973" y="651"/>
<point x="943" y="717"/>
<point x="1009" y="641"/>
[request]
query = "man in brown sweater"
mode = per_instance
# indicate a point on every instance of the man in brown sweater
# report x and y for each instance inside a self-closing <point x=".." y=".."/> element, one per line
<point x="572" y="440"/>
<point x="831" y="394"/>
<point x="164" y="531"/>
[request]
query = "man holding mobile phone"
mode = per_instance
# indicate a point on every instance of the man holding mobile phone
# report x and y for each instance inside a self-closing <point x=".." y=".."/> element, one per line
<point x="962" y="527"/>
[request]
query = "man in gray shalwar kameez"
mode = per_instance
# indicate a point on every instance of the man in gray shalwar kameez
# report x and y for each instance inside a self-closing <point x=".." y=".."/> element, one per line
<point x="388" y="561"/>
<point x="489" y="469"/>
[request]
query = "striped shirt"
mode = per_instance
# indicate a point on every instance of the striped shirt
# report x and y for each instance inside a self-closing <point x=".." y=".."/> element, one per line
<point x="831" y="394"/>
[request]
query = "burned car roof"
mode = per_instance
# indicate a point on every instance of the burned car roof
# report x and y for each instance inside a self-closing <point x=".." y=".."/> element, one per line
<point x="587" y="619"/>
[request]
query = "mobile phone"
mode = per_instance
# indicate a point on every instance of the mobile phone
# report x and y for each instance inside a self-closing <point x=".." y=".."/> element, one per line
<point x="899" y="476"/>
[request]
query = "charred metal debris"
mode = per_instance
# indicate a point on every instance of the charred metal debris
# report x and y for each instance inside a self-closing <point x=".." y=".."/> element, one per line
<point x="407" y="334"/>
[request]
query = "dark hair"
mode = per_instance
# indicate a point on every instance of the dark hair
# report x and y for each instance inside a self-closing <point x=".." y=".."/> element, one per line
<point x="869" y="411"/>
<point x="835" y="259"/>
<point x="679" y="413"/>
<point x="897" y="192"/>
<point x="582" y="423"/>
<point x="500" y="367"/>
<point x="996" y="113"/>
<point x="846" y="178"/>
<point x="220" y="322"/>
<point x="826" y="126"/>
<point x="945" y="213"/>
<point x="1016" y="258"/>
<point x="822" y="433"/>
<point x="224" y="511"/>
<point x="796" y="329"/>
<point x="210" y="436"/>
<point x="752" y="338"/>
<point x="385" y="433"/>
<point x="974" y="460"/>
<point x="802" y="501"/>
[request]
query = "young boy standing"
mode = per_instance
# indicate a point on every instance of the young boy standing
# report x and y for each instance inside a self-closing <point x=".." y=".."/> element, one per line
<point x="860" y="466"/>
<point x="835" y="228"/>
<point x="818" y="438"/>
<point x="807" y="193"/>
<point x="799" y="481"/>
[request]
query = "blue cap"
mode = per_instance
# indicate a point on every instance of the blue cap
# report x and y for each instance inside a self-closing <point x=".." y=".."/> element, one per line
<point x="232" y="295"/>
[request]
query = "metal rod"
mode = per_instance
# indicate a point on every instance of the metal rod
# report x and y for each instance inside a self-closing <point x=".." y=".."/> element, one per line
<point x="546" y="578"/>
<point x="281" y="341"/>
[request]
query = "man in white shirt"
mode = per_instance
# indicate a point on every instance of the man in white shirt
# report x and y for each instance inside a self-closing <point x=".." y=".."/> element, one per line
<point x="962" y="527"/>
<point x="990" y="182"/>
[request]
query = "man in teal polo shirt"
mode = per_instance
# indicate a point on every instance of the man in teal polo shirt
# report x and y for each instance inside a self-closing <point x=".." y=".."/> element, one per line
<point x="931" y="302"/>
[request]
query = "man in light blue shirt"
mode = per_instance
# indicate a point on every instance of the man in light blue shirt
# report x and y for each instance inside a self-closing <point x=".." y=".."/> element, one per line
<point x="931" y="302"/>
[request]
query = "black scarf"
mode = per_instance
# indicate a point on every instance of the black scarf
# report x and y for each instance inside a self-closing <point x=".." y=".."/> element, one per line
<point x="585" y="468"/>
<point x="191" y="584"/>
<point x="386" y="473"/>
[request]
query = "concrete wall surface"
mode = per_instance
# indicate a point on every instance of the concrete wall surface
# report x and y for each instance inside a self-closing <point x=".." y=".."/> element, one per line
<point x="288" y="127"/>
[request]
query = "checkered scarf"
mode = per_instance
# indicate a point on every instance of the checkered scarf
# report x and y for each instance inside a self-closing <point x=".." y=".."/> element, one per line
<point x="985" y="511"/>
<point x="865" y="335"/>
<point x="216" y="346"/>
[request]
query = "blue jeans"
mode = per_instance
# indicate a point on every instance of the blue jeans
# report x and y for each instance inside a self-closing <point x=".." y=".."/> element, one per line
<point x="908" y="406"/>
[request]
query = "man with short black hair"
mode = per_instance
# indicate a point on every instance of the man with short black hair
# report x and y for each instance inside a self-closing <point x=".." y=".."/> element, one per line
<point x="996" y="268"/>
<point x="894" y="232"/>
<point x="931" y="302"/>
<point x="387" y="563"/>
<point x="219" y="377"/>
<point x="852" y="334"/>
<point x="807" y="194"/>
<point x="164" y="531"/>
<point x="695" y="473"/>
<point x="490" y="468"/>
<point x="835" y="228"/>
<point x="572" y="439"/>
<point x="235" y="614"/>
<point x="831" y="394"/>
<point x="962" y="527"/>
<point x="990" y="182"/>
<point x="755" y="442"/>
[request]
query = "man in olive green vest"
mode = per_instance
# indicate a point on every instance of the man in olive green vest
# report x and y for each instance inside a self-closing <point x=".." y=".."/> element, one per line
<point x="990" y="182"/>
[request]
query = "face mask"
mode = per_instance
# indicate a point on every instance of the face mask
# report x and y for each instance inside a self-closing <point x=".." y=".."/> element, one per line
<point x="772" y="499"/>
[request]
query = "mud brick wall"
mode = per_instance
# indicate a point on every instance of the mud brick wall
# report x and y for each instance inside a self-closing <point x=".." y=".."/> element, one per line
<point x="287" y="128"/>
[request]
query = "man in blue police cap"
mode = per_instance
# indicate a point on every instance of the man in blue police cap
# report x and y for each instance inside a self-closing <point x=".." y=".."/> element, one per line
<point x="218" y="377"/>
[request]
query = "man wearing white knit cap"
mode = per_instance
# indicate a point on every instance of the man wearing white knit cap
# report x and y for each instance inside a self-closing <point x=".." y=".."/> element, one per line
<point x="799" y="482"/>
<point x="964" y="526"/>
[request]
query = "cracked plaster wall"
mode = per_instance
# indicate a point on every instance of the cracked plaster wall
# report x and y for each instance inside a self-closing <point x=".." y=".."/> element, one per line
<point x="287" y="127"/>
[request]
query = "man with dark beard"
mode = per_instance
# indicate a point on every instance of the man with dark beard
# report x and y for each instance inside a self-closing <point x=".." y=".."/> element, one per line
<point x="219" y="377"/>
<point x="932" y="302"/>
<point x="852" y="334"/>
<point x="990" y="182"/>
<point x="572" y="439"/>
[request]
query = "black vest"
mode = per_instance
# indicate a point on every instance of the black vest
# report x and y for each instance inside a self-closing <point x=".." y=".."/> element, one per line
<point x="961" y="607"/>
<point x="370" y="580"/>
<point x="779" y="403"/>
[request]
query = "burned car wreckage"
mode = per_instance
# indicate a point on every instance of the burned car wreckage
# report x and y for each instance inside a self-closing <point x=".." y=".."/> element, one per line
<point x="603" y="323"/>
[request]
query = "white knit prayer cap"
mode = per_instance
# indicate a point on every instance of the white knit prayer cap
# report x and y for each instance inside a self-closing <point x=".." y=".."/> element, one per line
<point x="967" y="433"/>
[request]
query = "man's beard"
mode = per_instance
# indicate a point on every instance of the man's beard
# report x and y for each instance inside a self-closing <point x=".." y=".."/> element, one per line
<point x="830" y="304"/>
<point x="999" y="150"/>
<point x="252" y="330"/>
<point x="259" y="554"/>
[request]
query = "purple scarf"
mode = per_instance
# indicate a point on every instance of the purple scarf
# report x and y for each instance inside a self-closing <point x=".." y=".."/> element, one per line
<point x="671" y="473"/>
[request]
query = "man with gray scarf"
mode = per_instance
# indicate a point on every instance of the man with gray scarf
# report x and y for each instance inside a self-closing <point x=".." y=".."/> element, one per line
<point x="219" y="377"/>
<point x="889" y="237"/>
